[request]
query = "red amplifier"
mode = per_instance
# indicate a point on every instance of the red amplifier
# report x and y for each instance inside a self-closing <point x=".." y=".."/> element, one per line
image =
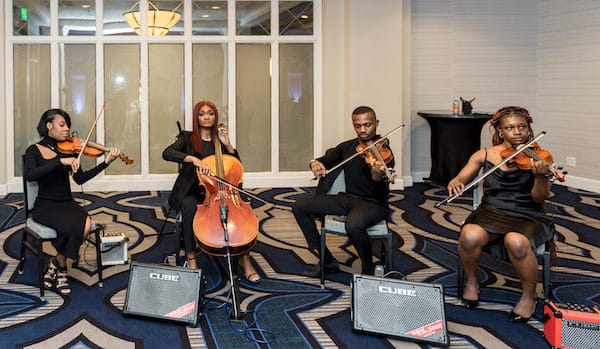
<point x="568" y="325"/>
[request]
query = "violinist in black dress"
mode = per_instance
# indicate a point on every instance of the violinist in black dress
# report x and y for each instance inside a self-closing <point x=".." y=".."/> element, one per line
<point x="512" y="209"/>
<point x="54" y="205"/>
<point x="364" y="202"/>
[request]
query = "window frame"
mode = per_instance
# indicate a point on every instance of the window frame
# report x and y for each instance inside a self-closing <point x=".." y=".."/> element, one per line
<point x="272" y="178"/>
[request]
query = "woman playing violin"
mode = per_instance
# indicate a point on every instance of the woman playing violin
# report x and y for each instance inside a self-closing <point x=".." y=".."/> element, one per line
<point x="511" y="209"/>
<point x="189" y="149"/>
<point x="54" y="205"/>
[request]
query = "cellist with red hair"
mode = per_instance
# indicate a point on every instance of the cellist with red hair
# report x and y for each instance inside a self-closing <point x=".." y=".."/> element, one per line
<point x="188" y="150"/>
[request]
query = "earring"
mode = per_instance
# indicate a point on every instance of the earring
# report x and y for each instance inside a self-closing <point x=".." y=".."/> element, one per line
<point x="500" y="135"/>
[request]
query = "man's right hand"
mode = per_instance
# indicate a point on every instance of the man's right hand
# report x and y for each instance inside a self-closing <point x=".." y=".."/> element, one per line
<point x="318" y="169"/>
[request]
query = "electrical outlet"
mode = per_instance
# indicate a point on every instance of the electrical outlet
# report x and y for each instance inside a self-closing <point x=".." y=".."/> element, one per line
<point x="571" y="161"/>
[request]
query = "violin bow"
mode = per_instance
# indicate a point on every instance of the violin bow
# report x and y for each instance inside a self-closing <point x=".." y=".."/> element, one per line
<point x="87" y="139"/>
<point x="395" y="129"/>
<point x="222" y="181"/>
<point x="519" y="149"/>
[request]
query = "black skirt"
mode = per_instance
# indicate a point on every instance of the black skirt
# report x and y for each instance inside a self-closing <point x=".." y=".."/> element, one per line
<point x="67" y="218"/>
<point x="497" y="221"/>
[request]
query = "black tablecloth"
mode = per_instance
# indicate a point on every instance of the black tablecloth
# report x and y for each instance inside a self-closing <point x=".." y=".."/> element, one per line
<point x="453" y="139"/>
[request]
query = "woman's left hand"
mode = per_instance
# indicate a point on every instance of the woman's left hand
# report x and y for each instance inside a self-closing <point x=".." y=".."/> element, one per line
<point x="224" y="136"/>
<point x="112" y="155"/>
<point x="541" y="168"/>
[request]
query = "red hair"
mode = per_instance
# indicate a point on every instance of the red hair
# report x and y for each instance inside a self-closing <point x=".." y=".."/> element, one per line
<point x="506" y="112"/>
<point x="196" y="138"/>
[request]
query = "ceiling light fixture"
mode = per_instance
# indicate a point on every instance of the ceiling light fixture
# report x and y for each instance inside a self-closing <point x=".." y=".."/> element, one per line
<point x="159" y="21"/>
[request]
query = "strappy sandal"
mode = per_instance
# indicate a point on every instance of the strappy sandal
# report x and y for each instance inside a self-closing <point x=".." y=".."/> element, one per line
<point x="62" y="283"/>
<point x="50" y="275"/>
<point x="253" y="278"/>
<point x="187" y="263"/>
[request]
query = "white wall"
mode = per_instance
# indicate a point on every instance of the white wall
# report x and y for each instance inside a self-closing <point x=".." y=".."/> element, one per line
<point x="3" y="145"/>
<point x="539" y="54"/>
<point x="568" y="86"/>
<point x="363" y="65"/>
<point x="484" y="49"/>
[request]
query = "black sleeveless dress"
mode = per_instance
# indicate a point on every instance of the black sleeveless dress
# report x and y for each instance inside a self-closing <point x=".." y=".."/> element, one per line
<point x="507" y="206"/>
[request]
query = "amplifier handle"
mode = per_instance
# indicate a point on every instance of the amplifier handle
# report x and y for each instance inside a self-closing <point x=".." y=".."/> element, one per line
<point x="556" y="311"/>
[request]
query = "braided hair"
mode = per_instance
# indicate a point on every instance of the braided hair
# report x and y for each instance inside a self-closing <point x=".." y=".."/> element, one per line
<point x="506" y="112"/>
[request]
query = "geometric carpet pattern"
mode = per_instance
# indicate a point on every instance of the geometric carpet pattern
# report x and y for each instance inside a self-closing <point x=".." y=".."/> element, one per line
<point x="286" y="309"/>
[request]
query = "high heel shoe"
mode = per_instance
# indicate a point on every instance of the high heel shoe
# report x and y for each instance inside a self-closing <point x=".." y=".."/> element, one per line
<point x="251" y="275"/>
<point x="470" y="303"/>
<point x="50" y="275"/>
<point x="518" y="319"/>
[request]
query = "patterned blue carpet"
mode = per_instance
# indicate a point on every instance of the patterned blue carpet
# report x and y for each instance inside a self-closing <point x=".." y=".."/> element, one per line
<point x="286" y="310"/>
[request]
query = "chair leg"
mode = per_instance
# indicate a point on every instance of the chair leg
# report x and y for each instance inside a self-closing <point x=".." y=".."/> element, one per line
<point x="389" y="261"/>
<point x="546" y="274"/>
<point x="322" y="258"/>
<point x="461" y="281"/>
<point x="40" y="258"/>
<point x="178" y="234"/>
<point x="21" y="265"/>
<point x="96" y="232"/>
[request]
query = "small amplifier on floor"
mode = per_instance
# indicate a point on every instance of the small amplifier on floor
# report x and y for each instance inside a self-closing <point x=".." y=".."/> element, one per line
<point x="410" y="310"/>
<point x="165" y="292"/>
<point x="571" y="325"/>
<point x="113" y="249"/>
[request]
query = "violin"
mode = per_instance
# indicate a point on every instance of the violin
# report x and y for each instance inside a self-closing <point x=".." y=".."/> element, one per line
<point x="523" y="159"/>
<point x="367" y="147"/>
<point x="73" y="145"/>
<point x="378" y="152"/>
<point x="507" y="156"/>
<point x="370" y="155"/>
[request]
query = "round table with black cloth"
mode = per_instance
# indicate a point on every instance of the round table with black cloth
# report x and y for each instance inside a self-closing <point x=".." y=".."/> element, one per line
<point x="453" y="139"/>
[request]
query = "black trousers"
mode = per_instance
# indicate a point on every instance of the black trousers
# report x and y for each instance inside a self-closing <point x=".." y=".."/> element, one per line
<point x="188" y="210"/>
<point x="360" y="214"/>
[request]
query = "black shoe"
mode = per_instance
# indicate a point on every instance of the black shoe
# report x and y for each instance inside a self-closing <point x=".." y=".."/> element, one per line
<point x="518" y="319"/>
<point x="314" y="271"/>
<point x="369" y="270"/>
<point x="470" y="303"/>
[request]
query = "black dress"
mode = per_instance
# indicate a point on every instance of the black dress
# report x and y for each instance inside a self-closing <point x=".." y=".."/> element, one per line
<point x="54" y="205"/>
<point x="507" y="206"/>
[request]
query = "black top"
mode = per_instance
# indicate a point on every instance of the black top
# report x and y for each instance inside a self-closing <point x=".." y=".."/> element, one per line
<point x="187" y="180"/>
<point x="51" y="175"/>
<point x="357" y="173"/>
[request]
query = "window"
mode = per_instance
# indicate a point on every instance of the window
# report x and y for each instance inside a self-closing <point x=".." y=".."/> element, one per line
<point x="255" y="59"/>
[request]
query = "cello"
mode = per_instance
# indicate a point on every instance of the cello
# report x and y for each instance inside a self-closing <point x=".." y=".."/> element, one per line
<point x="224" y="224"/>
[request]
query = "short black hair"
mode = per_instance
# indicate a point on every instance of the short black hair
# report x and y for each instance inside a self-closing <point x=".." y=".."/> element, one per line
<point x="364" y="109"/>
<point x="48" y="116"/>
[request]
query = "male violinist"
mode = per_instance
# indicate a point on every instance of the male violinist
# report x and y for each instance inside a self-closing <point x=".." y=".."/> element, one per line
<point x="364" y="203"/>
